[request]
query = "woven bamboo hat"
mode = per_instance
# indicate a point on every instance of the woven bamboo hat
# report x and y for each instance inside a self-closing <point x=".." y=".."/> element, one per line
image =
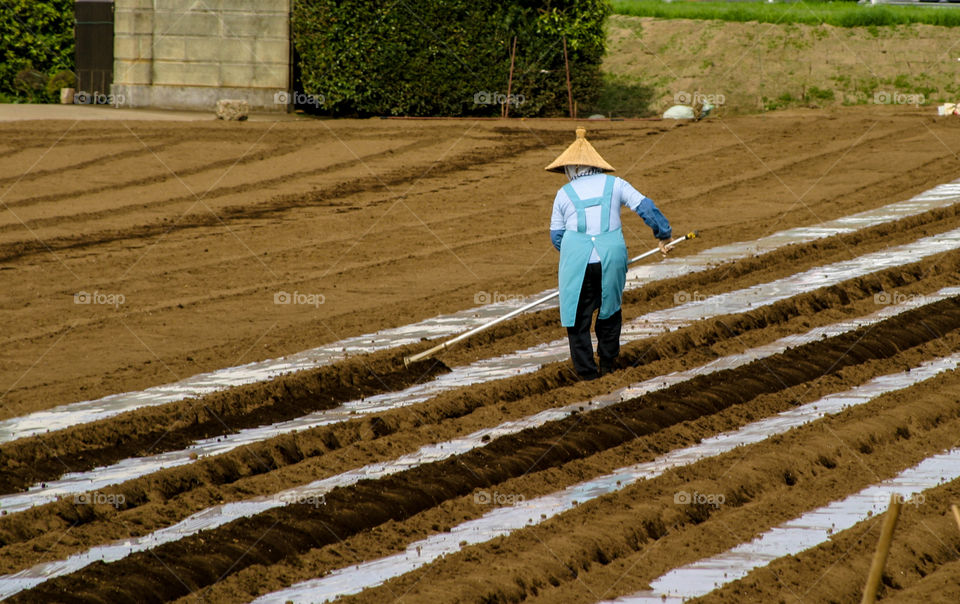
<point x="580" y="153"/>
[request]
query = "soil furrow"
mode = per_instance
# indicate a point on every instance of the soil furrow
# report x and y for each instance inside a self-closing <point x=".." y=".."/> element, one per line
<point x="26" y="247"/>
<point x="175" y="426"/>
<point x="136" y="433"/>
<point x="617" y="544"/>
<point x="294" y="529"/>
<point x="169" y="495"/>
<point x="448" y="218"/>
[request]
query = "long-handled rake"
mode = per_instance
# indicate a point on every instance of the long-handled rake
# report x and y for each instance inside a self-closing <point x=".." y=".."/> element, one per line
<point x="444" y="345"/>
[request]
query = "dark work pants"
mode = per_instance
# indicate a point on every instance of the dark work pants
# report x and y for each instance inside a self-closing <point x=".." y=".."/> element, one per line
<point x="607" y="330"/>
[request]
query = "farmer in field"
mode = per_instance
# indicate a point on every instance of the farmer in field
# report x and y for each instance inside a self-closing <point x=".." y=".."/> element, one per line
<point x="585" y="228"/>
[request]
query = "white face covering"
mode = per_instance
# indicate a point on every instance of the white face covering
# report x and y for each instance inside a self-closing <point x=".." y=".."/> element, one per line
<point x="578" y="171"/>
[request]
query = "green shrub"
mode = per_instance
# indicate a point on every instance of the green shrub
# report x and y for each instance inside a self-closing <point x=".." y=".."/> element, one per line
<point x="448" y="57"/>
<point x="36" y="42"/>
<point x="621" y="96"/>
<point x="61" y="79"/>
<point x="821" y="94"/>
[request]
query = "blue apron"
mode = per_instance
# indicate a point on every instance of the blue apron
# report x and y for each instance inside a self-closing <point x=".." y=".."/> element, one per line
<point x="576" y="248"/>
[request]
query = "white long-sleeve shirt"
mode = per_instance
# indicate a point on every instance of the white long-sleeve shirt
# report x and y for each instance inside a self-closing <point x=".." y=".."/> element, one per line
<point x="565" y="214"/>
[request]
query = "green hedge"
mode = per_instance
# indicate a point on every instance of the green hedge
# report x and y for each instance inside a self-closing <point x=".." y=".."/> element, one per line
<point x="36" y="44"/>
<point x="447" y="57"/>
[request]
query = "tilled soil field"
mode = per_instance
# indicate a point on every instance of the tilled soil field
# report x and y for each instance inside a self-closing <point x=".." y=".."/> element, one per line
<point x="182" y="235"/>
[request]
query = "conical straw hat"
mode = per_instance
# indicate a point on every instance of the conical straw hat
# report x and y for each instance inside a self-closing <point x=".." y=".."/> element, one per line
<point x="580" y="153"/>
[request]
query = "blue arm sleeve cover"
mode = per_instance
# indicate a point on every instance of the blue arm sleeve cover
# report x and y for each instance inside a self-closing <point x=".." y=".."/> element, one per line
<point x="654" y="219"/>
<point x="556" y="237"/>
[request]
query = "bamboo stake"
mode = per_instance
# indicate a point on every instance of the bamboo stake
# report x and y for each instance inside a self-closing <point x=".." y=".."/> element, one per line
<point x="513" y="56"/>
<point x="883" y="548"/>
<point x="566" y="62"/>
<point x="956" y="514"/>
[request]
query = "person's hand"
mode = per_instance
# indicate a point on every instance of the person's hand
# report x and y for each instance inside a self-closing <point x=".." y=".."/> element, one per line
<point x="662" y="244"/>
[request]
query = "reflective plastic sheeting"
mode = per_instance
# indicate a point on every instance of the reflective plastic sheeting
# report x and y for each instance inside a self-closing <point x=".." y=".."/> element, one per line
<point x="446" y="325"/>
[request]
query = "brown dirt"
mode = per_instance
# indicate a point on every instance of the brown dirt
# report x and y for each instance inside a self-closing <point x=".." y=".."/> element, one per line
<point x="921" y="567"/>
<point x="293" y="530"/>
<point x="173" y="494"/>
<point x="356" y="210"/>
<point x="618" y="544"/>
<point x="173" y="426"/>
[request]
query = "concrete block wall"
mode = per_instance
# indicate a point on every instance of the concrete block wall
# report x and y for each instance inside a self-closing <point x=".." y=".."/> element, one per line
<point x="187" y="54"/>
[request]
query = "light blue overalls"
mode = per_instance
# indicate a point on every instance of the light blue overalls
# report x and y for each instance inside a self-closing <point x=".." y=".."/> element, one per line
<point x="576" y="248"/>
